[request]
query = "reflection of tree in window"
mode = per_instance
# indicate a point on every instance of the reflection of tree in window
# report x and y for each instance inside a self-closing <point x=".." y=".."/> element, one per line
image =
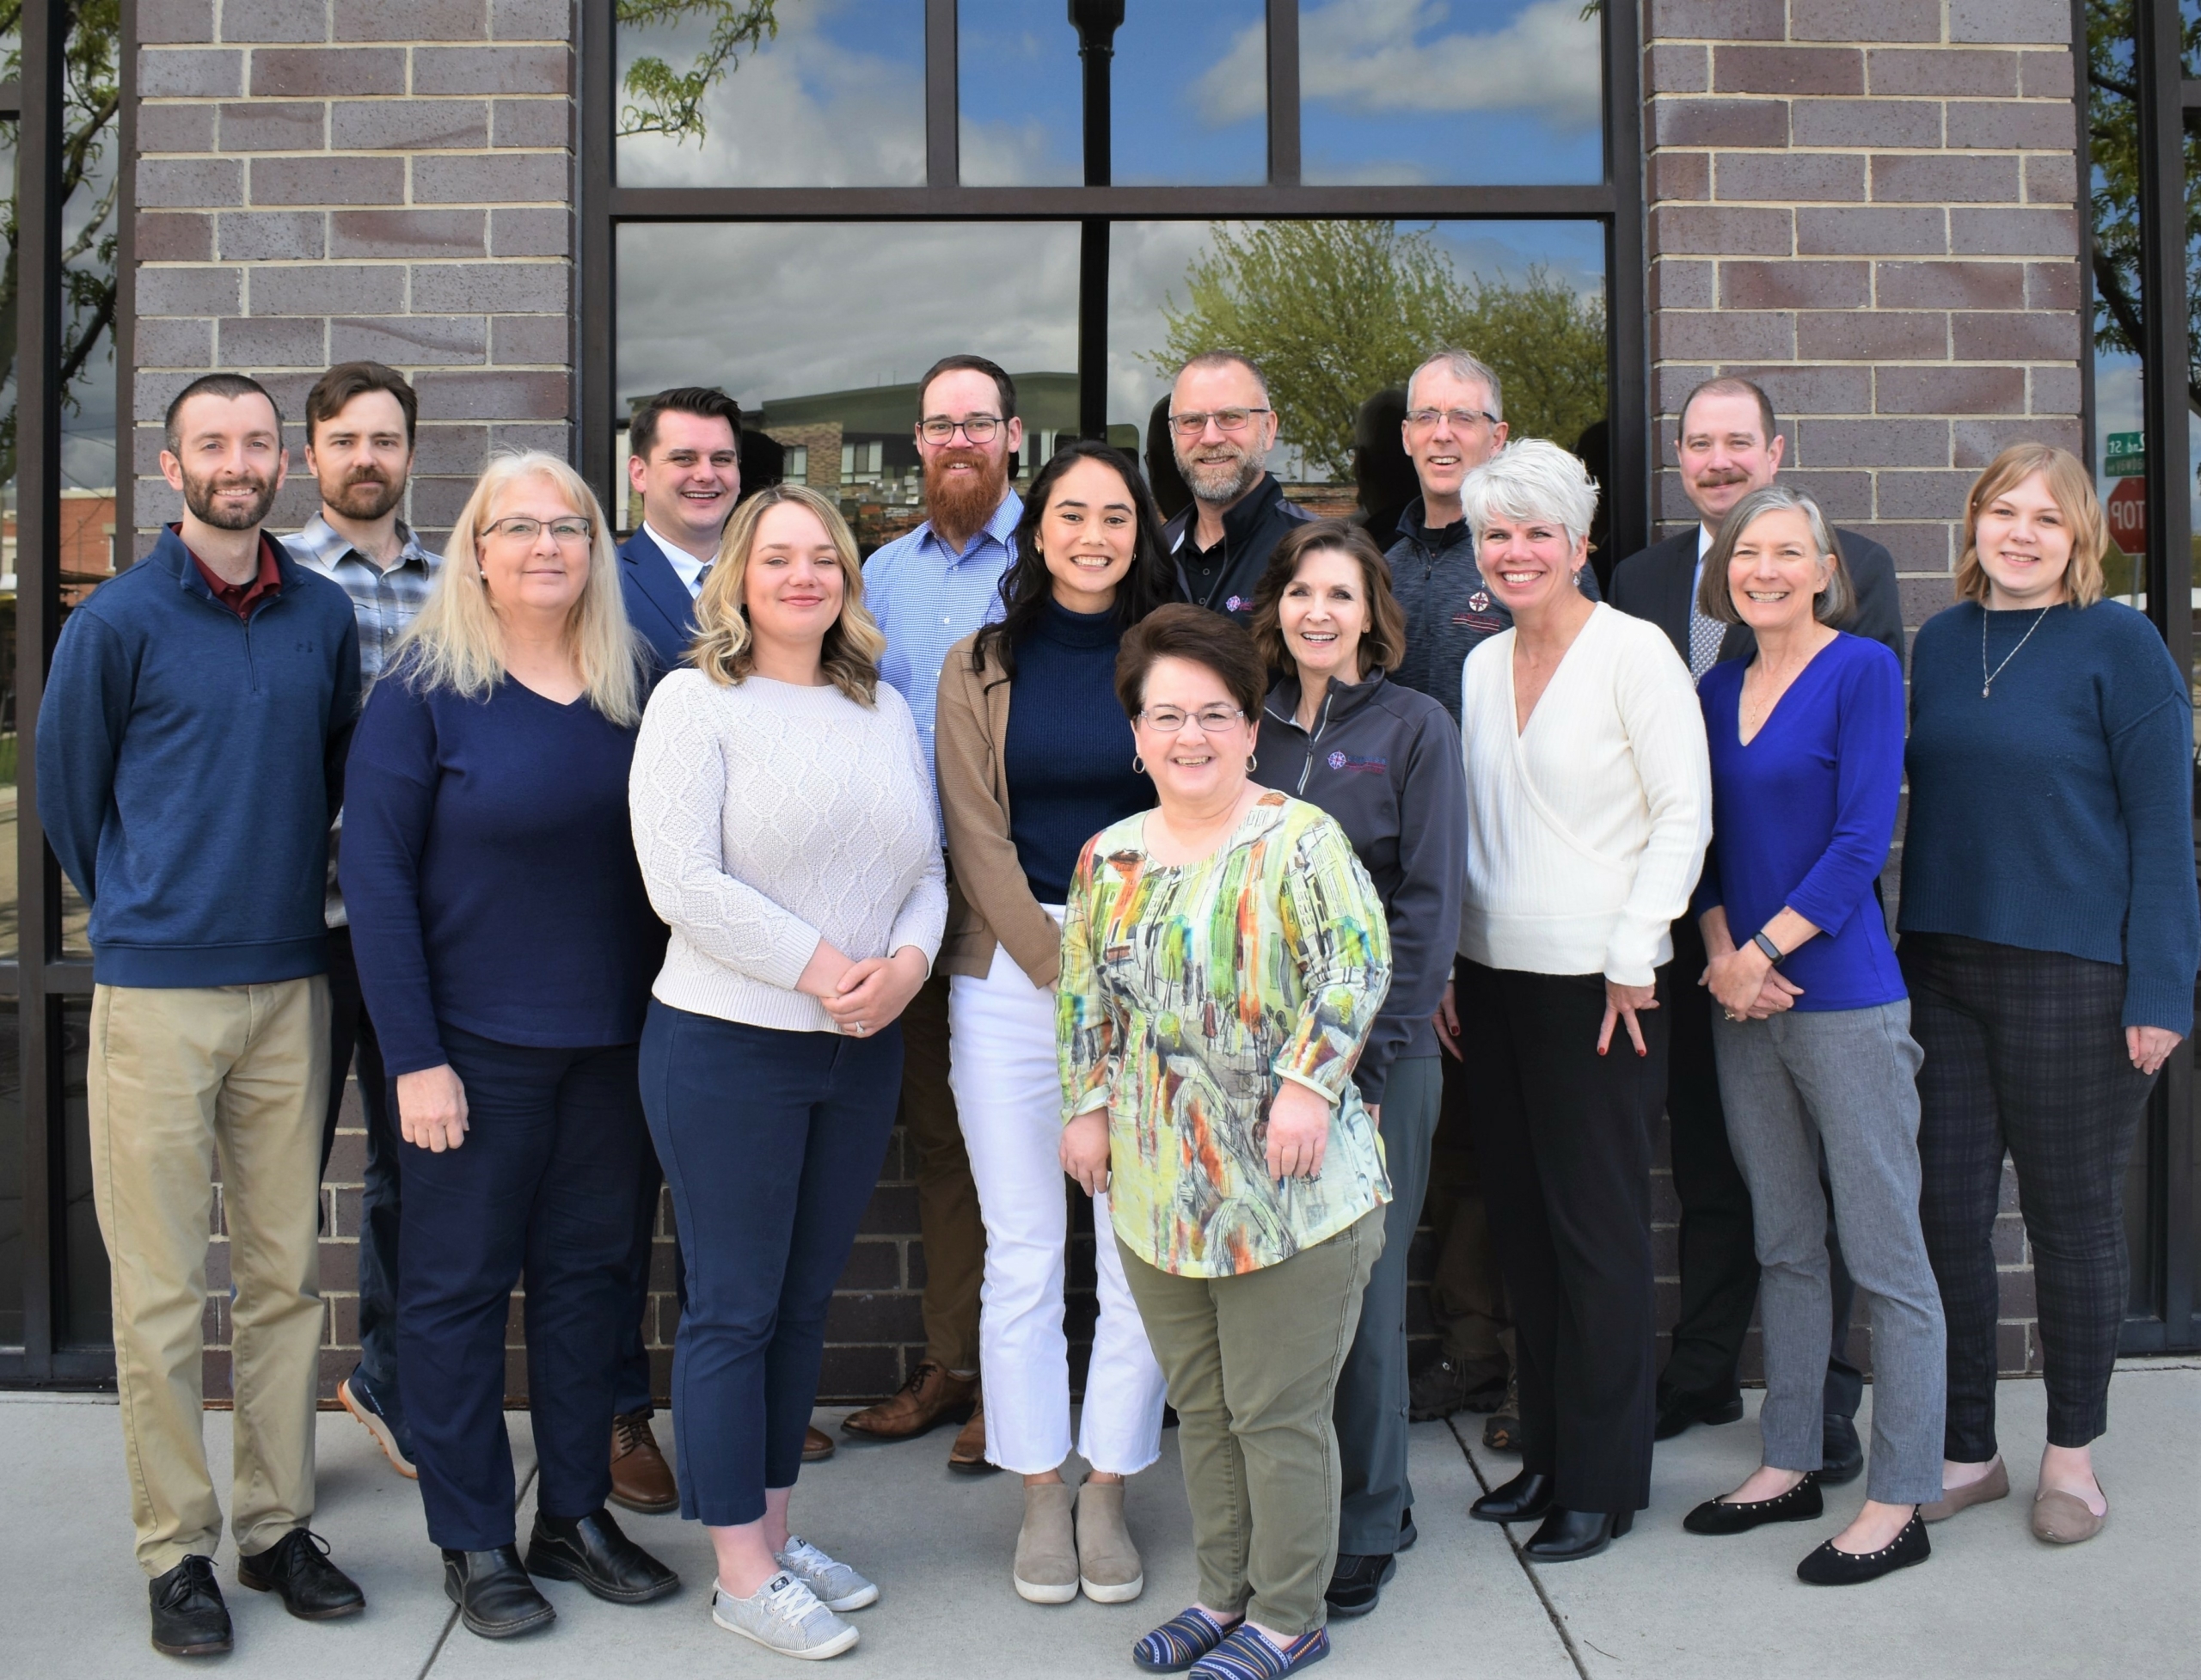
<point x="669" y="101"/>
<point x="2113" y="135"/>
<point x="1334" y="311"/>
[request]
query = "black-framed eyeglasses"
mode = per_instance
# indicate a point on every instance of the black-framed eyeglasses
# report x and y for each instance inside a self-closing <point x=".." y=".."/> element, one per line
<point x="1227" y="421"/>
<point x="975" y="428"/>
<point x="1463" y="419"/>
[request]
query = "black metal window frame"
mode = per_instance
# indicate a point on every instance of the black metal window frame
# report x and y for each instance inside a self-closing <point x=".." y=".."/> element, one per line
<point x="1616" y="203"/>
<point x="38" y="979"/>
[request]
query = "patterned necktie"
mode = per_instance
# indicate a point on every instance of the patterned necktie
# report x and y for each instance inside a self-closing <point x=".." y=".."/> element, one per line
<point x="1705" y="635"/>
<point x="704" y="576"/>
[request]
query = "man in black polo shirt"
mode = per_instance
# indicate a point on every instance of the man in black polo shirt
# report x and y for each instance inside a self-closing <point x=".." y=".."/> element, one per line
<point x="1221" y="428"/>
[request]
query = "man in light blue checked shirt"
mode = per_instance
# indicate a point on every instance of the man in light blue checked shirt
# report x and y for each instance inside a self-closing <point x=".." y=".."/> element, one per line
<point x="360" y="418"/>
<point x="928" y="590"/>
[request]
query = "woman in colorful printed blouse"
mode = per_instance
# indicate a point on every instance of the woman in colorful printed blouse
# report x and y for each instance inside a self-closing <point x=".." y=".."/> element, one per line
<point x="1224" y="959"/>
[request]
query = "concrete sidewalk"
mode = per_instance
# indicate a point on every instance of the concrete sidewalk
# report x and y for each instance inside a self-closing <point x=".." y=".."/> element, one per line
<point x="1993" y="1601"/>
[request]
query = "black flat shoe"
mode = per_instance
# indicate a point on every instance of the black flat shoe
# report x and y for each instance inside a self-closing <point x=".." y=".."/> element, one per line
<point x="1358" y="1583"/>
<point x="1568" y="1535"/>
<point x="494" y="1596"/>
<point x="1408" y="1533"/>
<point x="1681" y="1411"/>
<point x="591" y="1550"/>
<point x="1827" y="1566"/>
<point x="1800" y="1503"/>
<point x="297" y="1570"/>
<point x="1523" y="1499"/>
<point x="189" y="1618"/>
<point x="1843" y="1455"/>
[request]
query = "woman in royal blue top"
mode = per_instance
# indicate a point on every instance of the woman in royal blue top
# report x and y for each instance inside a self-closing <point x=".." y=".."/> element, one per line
<point x="506" y="947"/>
<point x="1813" y="1038"/>
<point x="2049" y="934"/>
<point x="1035" y="757"/>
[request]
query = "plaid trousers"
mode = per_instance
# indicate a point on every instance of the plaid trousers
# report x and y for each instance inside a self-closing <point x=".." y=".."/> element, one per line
<point x="2025" y="1053"/>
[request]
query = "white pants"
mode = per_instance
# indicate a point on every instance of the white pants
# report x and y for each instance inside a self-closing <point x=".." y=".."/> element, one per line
<point x="1008" y="1097"/>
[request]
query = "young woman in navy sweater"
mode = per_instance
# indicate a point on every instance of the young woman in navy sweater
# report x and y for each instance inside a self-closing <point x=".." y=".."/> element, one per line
<point x="1035" y="756"/>
<point x="2050" y="936"/>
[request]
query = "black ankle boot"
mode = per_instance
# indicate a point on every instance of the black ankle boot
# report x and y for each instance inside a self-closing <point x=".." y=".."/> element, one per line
<point x="1568" y="1535"/>
<point x="591" y="1550"/>
<point x="1523" y="1499"/>
<point x="494" y="1596"/>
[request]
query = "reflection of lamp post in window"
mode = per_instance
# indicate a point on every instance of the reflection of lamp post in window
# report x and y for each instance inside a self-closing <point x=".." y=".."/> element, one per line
<point x="1096" y="23"/>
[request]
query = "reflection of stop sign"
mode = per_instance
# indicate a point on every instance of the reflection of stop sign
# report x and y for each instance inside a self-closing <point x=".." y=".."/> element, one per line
<point x="2128" y="515"/>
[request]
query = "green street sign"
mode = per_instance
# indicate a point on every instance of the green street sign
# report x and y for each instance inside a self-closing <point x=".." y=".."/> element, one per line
<point x="2126" y="456"/>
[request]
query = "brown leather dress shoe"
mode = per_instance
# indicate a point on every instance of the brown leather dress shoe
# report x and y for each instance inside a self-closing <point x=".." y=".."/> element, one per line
<point x="931" y="1396"/>
<point x="968" y="1454"/>
<point x="640" y="1479"/>
<point x="817" y="1444"/>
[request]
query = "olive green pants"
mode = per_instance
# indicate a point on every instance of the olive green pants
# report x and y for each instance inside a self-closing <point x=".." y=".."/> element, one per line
<point x="1252" y="1363"/>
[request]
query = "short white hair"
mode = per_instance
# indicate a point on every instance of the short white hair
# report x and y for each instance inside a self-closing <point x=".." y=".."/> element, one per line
<point x="1531" y="480"/>
<point x="1467" y="369"/>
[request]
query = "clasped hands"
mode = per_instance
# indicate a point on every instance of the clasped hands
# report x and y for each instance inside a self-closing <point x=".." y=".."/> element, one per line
<point x="1298" y="1138"/>
<point x="863" y="998"/>
<point x="1746" y="985"/>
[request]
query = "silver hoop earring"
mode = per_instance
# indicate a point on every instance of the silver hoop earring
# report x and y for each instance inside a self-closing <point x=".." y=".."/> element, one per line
<point x="1138" y="765"/>
<point x="1253" y="764"/>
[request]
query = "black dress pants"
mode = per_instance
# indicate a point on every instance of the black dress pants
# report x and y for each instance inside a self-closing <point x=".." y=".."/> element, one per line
<point x="1565" y="1138"/>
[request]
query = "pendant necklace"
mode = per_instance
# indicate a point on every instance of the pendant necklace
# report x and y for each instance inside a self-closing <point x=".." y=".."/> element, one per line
<point x="1986" y="677"/>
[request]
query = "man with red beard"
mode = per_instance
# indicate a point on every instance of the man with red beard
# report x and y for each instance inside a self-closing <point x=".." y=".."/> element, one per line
<point x="360" y="418"/>
<point x="928" y="590"/>
<point x="1729" y="444"/>
<point x="1222" y="428"/>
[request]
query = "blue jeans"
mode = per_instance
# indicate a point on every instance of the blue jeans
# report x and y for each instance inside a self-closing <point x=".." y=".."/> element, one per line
<point x="772" y="1141"/>
<point x="543" y="1182"/>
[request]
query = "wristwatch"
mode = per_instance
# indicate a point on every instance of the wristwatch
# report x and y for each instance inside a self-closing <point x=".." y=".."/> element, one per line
<point x="1772" y="953"/>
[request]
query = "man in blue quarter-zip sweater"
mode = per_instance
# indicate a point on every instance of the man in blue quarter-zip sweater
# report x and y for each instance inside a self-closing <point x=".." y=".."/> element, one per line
<point x="190" y="758"/>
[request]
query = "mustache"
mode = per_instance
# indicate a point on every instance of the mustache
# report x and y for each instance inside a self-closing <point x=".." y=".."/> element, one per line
<point x="962" y="455"/>
<point x="1722" y="475"/>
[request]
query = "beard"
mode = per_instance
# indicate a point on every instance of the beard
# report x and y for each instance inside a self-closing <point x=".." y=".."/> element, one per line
<point x="199" y="496"/>
<point x="1223" y="480"/>
<point x="959" y="503"/>
<point x="365" y="496"/>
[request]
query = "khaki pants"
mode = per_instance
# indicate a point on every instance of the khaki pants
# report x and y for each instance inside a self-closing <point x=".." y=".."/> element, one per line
<point x="1252" y="1366"/>
<point x="181" y="1079"/>
<point x="947" y="1200"/>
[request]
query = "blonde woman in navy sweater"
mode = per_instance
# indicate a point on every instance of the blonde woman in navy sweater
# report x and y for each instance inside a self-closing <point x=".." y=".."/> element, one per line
<point x="2050" y="933"/>
<point x="1034" y="758"/>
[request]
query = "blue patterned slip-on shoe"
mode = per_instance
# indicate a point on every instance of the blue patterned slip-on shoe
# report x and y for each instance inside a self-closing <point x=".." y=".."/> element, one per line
<point x="1246" y="1655"/>
<point x="1179" y="1642"/>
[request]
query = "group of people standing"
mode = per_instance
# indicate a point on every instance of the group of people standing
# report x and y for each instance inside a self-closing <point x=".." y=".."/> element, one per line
<point x="1265" y="886"/>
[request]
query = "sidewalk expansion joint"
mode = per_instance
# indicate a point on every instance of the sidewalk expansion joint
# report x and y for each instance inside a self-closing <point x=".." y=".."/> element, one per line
<point x="1557" y="1621"/>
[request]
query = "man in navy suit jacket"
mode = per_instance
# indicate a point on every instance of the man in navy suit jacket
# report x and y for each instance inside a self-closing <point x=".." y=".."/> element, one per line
<point x="686" y="466"/>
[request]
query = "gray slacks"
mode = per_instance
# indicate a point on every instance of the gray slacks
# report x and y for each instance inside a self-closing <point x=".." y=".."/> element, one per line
<point x="1371" y="1403"/>
<point x="1848" y="1078"/>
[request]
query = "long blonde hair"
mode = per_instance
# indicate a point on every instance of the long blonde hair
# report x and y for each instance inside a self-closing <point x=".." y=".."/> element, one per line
<point x="457" y="643"/>
<point x="2073" y="491"/>
<point x="724" y="649"/>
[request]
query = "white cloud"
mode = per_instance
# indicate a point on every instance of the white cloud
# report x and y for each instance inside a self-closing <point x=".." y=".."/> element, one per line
<point x="1385" y="56"/>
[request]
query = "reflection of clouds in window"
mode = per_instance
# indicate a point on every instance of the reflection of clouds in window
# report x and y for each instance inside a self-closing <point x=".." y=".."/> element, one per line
<point x="1020" y="93"/>
<point x="785" y="309"/>
<point x="836" y="99"/>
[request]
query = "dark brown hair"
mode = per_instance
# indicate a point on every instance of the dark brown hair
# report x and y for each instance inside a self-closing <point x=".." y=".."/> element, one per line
<point x="1732" y="385"/>
<point x="231" y="385"/>
<point x="1004" y="387"/>
<point x="1180" y="631"/>
<point x="349" y="379"/>
<point x="1382" y="644"/>
<point x="706" y="401"/>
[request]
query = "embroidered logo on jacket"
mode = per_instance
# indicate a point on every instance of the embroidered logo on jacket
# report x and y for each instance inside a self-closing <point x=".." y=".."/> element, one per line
<point x="1346" y="761"/>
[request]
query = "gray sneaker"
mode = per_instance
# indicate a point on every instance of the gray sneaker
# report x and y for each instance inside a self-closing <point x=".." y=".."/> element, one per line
<point x="838" y="1586"/>
<point x="783" y="1616"/>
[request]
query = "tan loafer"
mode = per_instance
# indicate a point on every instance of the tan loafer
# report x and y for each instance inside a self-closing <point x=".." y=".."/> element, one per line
<point x="1047" y="1546"/>
<point x="968" y="1456"/>
<point x="1108" y="1567"/>
<point x="2063" y="1519"/>
<point x="1995" y="1484"/>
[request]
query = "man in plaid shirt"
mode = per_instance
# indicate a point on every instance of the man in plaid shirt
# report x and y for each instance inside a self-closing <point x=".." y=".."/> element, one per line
<point x="360" y="423"/>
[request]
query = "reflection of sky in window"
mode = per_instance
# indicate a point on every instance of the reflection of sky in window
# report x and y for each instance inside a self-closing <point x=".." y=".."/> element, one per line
<point x="1147" y="262"/>
<point x="1188" y="105"/>
<point x="1477" y="92"/>
<point x="836" y="98"/>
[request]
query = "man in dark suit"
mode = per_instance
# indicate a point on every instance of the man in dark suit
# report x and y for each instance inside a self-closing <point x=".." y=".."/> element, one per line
<point x="685" y="463"/>
<point x="1730" y="445"/>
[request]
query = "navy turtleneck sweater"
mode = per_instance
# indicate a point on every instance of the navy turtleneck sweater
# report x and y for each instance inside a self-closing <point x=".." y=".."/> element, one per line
<point x="1070" y="748"/>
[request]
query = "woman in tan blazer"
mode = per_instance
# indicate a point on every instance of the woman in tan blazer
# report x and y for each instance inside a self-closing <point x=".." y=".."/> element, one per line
<point x="1035" y="757"/>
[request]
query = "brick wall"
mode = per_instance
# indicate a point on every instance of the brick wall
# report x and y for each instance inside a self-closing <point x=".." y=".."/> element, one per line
<point x="1870" y="207"/>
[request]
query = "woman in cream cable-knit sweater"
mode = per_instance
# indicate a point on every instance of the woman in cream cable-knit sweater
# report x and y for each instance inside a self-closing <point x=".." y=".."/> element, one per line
<point x="787" y="831"/>
<point x="1587" y="822"/>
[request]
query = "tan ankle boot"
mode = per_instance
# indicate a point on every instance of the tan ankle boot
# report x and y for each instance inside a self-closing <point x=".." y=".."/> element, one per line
<point x="1109" y="1566"/>
<point x="1046" y="1548"/>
